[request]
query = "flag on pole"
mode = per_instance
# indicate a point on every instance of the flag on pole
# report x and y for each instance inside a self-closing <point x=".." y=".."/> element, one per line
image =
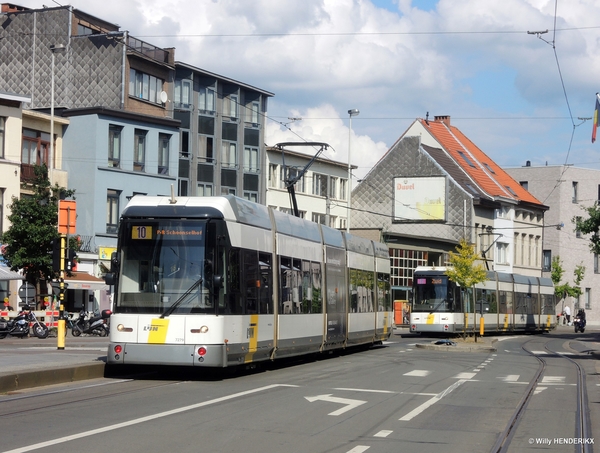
<point x="596" y="113"/>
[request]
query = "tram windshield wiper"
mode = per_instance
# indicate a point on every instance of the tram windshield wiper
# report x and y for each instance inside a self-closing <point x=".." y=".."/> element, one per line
<point x="181" y="298"/>
<point x="438" y="305"/>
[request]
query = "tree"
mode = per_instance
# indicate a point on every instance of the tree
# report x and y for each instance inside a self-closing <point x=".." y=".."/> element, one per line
<point x="463" y="270"/>
<point x="590" y="225"/>
<point x="34" y="220"/>
<point x="562" y="290"/>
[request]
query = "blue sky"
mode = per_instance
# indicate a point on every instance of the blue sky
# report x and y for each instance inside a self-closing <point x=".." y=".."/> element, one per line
<point x="396" y="60"/>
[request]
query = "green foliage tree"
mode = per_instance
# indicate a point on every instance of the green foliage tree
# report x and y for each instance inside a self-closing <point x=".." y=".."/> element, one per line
<point x="590" y="225"/>
<point x="562" y="290"/>
<point x="34" y="220"/>
<point x="463" y="270"/>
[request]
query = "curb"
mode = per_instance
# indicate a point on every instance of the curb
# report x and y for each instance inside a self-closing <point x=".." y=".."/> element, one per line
<point x="28" y="379"/>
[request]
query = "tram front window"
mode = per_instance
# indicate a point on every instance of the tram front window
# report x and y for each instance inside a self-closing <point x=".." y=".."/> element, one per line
<point x="432" y="294"/>
<point x="161" y="261"/>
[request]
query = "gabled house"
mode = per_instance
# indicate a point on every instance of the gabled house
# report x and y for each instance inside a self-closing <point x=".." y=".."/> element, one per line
<point x="434" y="187"/>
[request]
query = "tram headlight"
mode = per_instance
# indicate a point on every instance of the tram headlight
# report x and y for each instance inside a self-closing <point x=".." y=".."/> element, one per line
<point x="122" y="328"/>
<point x="202" y="329"/>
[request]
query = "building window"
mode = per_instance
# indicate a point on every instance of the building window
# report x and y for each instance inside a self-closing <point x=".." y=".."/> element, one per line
<point x="577" y="230"/>
<point x="114" y="146"/>
<point x="183" y="94"/>
<point x="588" y="298"/>
<point x="112" y="211"/>
<point x="206" y="131"/>
<point x="254" y="110"/>
<point x="2" y="133"/>
<point x="163" y="153"/>
<point x="273" y="181"/>
<point x="145" y="86"/>
<point x="501" y="253"/>
<point x="333" y="183"/>
<point x="596" y="267"/>
<point x="206" y="100"/>
<point x="228" y="155"/>
<point x="251" y="196"/>
<point x="343" y="189"/>
<point x="575" y="185"/>
<point x="524" y="184"/>
<point x="204" y="189"/>
<point x="318" y="218"/>
<point x="184" y="144"/>
<point x="251" y="159"/>
<point x="292" y="175"/>
<point x="35" y="147"/>
<point x="139" y="151"/>
<point x="466" y="159"/>
<point x="319" y="184"/>
<point x="2" y="190"/>
<point x="230" y="106"/>
<point x="546" y="260"/>
<point x="182" y="187"/>
<point x="403" y="264"/>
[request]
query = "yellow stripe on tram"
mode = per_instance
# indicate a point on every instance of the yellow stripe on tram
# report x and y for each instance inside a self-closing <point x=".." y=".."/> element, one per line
<point x="385" y="324"/>
<point x="506" y="321"/>
<point x="252" y="334"/>
<point x="430" y="318"/>
<point x="158" y="331"/>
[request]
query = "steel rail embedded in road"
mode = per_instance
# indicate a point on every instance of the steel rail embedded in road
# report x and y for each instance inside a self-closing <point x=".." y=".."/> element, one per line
<point x="503" y="441"/>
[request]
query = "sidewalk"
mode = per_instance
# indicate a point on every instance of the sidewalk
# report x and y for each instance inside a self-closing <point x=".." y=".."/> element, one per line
<point x="31" y="362"/>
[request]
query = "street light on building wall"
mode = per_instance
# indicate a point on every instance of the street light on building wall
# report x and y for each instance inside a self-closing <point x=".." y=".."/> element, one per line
<point x="351" y="112"/>
<point x="54" y="48"/>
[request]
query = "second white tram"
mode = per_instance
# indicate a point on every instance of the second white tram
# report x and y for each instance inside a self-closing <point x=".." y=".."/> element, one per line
<point x="507" y="302"/>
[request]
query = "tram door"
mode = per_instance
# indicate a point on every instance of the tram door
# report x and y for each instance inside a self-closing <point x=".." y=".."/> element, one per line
<point x="336" y="295"/>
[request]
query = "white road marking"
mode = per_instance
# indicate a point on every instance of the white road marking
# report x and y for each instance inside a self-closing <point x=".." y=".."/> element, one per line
<point x="383" y="433"/>
<point x="553" y="380"/>
<point x="137" y="421"/>
<point x="465" y="376"/>
<point x="349" y="404"/>
<point x="431" y="402"/>
<point x="359" y="449"/>
<point x="510" y="378"/>
<point x="363" y="390"/>
<point x="539" y="389"/>
<point x="420" y="373"/>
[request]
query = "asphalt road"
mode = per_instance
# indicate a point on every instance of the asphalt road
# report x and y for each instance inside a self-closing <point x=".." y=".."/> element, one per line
<point x="388" y="399"/>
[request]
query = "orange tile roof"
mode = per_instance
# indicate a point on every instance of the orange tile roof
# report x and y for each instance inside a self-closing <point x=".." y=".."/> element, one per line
<point x="492" y="179"/>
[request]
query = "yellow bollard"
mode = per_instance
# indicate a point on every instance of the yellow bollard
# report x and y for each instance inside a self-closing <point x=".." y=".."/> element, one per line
<point x="60" y="335"/>
<point x="481" y="326"/>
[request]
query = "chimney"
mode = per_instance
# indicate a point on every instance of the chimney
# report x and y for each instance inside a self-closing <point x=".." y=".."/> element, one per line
<point x="444" y="119"/>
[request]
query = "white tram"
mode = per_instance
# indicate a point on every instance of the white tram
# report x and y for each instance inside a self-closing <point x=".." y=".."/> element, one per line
<point x="221" y="281"/>
<point x="508" y="302"/>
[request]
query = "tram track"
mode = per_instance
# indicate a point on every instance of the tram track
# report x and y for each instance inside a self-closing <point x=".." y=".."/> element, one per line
<point x="582" y="419"/>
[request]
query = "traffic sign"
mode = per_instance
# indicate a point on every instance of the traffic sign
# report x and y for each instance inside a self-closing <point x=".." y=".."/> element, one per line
<point x="27" y="292"/>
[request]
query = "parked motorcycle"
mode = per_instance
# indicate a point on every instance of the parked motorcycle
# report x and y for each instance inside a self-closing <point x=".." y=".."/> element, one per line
<point x="21" y="325"/>
<point x="95" y="325"/>
<point x="579" y="323"/>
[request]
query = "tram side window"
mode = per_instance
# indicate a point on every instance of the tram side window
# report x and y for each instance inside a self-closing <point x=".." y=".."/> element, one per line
<point x="361" y="291"/>
<point x="488" y="298"/>
<point x="266" y="284"/>
<point x="291" y="285"/>
<point x="233" y="294"/>
<point x="316" y="292"/>
<point x="252" y="280"/>
<point x="384" y="302"/>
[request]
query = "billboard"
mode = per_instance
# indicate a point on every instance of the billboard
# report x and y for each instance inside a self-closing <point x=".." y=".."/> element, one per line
<point x="420" y="199"/>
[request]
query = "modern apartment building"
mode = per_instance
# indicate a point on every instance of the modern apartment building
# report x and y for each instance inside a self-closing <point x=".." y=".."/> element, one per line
<point x="567" y="190"/>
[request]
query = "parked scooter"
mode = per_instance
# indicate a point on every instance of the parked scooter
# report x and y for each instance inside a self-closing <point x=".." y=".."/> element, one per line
<point x="96" y="325"/>
<point x="20" y="326"/>
<point x="579" y="321"/>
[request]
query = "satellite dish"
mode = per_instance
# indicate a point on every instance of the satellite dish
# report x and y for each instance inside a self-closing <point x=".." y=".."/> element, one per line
<point x="163" y="97"/>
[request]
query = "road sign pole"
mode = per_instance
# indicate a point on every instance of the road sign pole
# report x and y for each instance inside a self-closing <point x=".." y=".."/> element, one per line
<point x="60" y="336"/>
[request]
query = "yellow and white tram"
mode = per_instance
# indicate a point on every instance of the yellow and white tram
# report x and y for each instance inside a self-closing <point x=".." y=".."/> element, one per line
<point x="508" y="303"/>
<point x="221" y="281"/>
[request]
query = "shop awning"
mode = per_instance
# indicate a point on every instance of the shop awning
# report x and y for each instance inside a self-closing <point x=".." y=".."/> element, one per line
<point x="7" y="274"/>
<point x="82" y="280"/>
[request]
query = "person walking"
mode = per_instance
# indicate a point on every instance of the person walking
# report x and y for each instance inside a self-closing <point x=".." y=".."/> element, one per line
<point x="567" y="312"/>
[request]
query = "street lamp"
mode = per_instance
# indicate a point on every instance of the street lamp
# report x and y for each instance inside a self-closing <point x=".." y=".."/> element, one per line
<point x="54" y="48"/>
<point x="351" y="112"/>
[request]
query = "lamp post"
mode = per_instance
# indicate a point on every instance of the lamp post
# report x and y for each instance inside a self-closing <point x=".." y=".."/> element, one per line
<point x="351" y="112"/>
<point x="54" y="48"/>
